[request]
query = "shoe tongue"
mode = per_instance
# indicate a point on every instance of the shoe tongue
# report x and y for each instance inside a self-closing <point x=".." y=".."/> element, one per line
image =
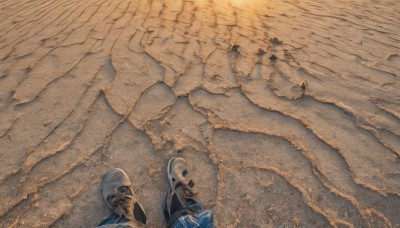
<point x="125" y="189"/>
<point x="182" y="193"/>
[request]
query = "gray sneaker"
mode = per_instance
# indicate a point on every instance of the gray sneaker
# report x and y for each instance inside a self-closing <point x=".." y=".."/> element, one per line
<point x="180" y="196"/>
<point x="118" y="196"/>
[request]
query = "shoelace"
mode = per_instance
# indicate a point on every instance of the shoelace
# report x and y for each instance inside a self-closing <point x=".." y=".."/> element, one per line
<point x="120" y="203"/>
<point x="187" y="188"/>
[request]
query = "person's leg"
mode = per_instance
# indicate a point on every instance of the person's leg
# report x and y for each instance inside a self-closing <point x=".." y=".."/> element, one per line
<point x="117" y="193"/>
<point x="180" y="207"/>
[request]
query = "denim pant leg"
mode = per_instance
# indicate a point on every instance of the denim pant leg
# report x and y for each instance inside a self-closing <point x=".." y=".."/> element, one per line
<point x="203" y="219"/>
<point x="193" y="216"/>
<point x="115" y="221"/>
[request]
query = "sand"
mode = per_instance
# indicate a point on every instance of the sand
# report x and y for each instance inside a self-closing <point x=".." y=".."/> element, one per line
<point x="286" y="111"/>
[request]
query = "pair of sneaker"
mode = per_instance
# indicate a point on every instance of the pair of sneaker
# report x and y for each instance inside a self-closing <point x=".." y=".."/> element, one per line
<point x="178" y="201"/>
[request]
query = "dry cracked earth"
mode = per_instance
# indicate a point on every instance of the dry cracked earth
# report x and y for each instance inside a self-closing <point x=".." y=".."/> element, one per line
<point x="287" y="111"/>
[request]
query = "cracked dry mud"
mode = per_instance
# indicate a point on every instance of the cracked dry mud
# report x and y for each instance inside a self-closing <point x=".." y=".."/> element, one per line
<point x="287" y="111"/>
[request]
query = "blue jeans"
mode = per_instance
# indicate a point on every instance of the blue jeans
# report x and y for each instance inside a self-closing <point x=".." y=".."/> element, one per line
<point x="203" y="218"/>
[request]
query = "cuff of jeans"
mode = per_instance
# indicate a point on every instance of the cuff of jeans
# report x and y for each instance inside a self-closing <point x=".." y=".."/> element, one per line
<point x="175" y="216"/>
